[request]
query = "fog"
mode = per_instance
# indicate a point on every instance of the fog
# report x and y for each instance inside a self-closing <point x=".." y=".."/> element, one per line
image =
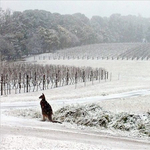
<point x="89" y="8"/>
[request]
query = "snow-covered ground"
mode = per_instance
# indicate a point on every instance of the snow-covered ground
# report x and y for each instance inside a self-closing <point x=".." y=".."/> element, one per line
<point x="128" y="91"/>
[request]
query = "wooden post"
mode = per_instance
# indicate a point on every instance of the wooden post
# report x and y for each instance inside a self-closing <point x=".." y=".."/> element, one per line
<point x="76" y="76"/>
<point x="24" y="82"/>
<point x="19" y="82"/>
<point x="92" y="75"/>
<point x="59" y="77"/>
<point x="105" y="76"/>
<point x="83" y="77"/>
<point x="2" y="84"/>
<point x="102" y="74"/>
<point x="99" y="75"/>
<point x="96" y="74"/>
<point x="27" y="81"/>
<point x="43" y="81"/>
<point x="56" y="81"/>
<point x="67" y="77"/>
<point x="7" y="84"/>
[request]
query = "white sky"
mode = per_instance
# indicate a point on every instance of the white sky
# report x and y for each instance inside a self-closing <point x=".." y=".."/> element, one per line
<point x="87" y="7"/>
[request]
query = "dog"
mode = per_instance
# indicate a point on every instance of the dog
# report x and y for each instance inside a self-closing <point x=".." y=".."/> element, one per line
<point x="46" y="108"/>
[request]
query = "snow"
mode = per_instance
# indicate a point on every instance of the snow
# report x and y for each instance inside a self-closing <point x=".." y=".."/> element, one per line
<point x="43" y="144"/>
<point x="127" y="93"/>
<point x="92" y="115"/>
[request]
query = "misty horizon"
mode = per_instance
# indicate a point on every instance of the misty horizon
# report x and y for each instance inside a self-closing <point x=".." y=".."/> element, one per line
<point x="88" y="8"/>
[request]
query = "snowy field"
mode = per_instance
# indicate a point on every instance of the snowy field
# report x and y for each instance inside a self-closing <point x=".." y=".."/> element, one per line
<point x="102" y="51"/>
<point x="126" y="96"/>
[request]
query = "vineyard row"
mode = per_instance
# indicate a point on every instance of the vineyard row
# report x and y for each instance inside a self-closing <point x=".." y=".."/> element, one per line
<point x="65" y="57"/>
<point x="128" y="51"/>
<point x="30" y="77"/>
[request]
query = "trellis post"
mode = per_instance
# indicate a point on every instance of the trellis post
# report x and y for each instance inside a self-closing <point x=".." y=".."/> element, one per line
<point x="43" y="81"/>
<point x="76" y="75"/>
<point x="1" y="84"/>
<point x="27" y="84"/>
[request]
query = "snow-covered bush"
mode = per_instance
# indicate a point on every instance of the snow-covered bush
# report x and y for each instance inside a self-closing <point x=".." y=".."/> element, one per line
<point x="88" y="115"/>
<point x="93" y="115"/>
<point x="125" y="121"/>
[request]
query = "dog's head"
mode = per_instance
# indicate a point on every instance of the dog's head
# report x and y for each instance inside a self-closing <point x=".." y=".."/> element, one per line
<point x="42" y="96"/>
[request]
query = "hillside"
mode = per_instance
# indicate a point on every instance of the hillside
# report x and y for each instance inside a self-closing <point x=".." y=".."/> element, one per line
<point x="39" y="31"/>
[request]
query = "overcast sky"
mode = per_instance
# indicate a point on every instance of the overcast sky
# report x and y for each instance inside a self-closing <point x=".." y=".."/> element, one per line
<point x="87" y="7"/>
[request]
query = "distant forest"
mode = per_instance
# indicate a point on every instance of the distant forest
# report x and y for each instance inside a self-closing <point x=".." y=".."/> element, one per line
<point x="39" y="31"/>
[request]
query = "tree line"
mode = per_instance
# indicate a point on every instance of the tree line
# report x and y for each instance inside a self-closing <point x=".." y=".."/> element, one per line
<point x="39" y="31"/>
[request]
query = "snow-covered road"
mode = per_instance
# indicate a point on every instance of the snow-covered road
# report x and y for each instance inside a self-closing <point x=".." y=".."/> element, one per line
<point x="130" y="94"/>
<point x="41" y="138"/>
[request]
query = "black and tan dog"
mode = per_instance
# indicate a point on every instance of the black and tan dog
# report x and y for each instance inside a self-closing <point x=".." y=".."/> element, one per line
<point x="47" y="111"/>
